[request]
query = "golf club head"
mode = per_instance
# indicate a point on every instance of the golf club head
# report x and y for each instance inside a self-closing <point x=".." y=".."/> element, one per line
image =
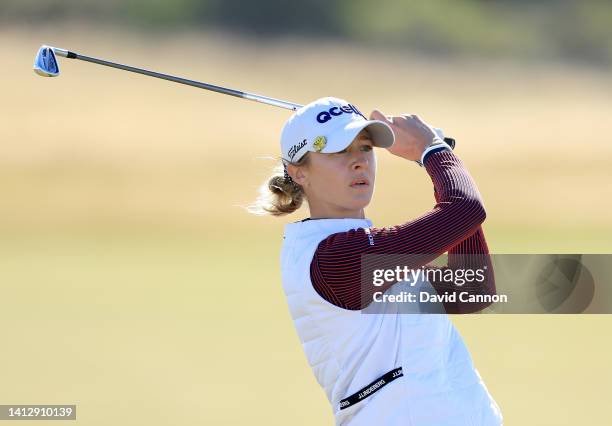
<point x="45" y="63"/>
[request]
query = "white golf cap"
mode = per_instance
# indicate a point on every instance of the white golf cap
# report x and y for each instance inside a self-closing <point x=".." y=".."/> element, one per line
<point x="329" y="125"/>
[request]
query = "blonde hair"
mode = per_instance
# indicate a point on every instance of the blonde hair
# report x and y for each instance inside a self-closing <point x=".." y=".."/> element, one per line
<point x="279" y="196"/>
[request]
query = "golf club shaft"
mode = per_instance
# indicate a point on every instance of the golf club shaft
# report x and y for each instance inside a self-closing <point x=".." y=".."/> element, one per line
<point x="224" y="90"/>
<point x="211" y="87"/>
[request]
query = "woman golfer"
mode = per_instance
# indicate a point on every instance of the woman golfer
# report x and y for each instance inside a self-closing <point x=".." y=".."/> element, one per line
<point x="383" y="367"/>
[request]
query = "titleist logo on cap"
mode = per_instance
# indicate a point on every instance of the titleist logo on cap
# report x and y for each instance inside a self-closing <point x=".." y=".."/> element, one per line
<point x="295" y="148"/>
<point x="325" y="116"/>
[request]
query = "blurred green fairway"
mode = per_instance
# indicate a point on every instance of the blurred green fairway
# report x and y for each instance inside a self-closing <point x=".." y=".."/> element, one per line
<point x="134" y="284"/>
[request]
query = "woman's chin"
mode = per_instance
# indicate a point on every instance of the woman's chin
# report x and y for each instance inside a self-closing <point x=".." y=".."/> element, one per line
<point x="361" y="202"/>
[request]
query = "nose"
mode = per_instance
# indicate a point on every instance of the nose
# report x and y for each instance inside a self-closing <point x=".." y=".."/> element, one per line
<point x="359" y="160"/>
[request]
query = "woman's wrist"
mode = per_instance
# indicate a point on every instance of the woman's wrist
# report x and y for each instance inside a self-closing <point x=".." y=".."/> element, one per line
<point x="436" y="146"/>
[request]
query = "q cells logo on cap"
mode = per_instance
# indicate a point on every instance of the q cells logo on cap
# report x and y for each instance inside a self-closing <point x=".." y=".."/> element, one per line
<point x="295" y="148"/>
<point x="325" y="116"/>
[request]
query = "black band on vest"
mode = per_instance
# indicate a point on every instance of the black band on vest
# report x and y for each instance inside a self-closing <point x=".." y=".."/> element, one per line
<point x="372" y="388"/>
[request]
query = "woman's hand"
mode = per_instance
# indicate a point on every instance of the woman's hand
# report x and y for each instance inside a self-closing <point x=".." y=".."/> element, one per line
<point x="412" y="135"/>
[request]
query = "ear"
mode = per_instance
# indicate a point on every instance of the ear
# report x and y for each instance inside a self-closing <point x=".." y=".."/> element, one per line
<point x="298" y="174"/>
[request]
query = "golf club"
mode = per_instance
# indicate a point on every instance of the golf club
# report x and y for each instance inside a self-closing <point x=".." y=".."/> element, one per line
<point x="46" y="65"/>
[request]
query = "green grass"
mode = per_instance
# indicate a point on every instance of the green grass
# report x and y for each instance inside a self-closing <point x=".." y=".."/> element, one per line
<point x="161" y="327"/>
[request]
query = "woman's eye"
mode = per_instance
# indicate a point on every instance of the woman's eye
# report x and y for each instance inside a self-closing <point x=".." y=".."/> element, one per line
<point x="364" y="148"/>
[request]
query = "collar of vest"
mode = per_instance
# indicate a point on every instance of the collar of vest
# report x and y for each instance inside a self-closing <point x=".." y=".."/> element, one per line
<point x="324" y="226"/>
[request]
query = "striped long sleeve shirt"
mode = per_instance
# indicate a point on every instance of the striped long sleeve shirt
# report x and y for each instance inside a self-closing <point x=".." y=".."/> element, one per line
<point x="453" y="226"/>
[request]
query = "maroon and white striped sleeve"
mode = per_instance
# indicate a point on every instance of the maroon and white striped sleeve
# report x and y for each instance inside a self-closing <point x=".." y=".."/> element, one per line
<point x="453" y="226"/>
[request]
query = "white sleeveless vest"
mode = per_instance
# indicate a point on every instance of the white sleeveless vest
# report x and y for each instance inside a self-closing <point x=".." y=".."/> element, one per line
<point x="349" y="351"/>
